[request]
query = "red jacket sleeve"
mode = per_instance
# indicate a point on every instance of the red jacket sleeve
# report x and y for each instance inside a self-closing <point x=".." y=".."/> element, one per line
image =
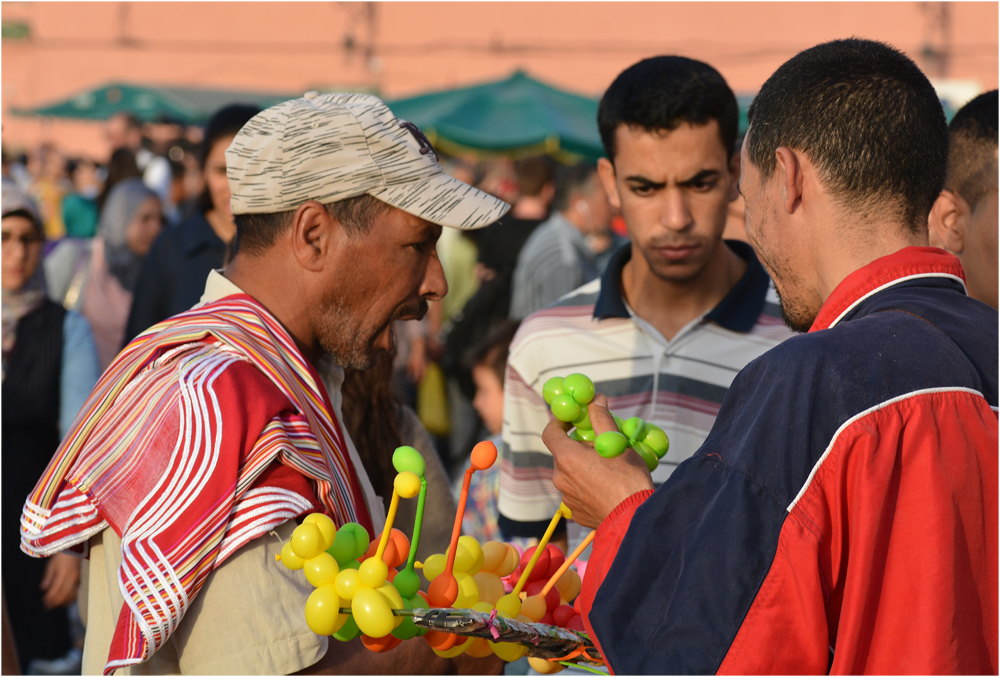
<point x="609" y="536"/>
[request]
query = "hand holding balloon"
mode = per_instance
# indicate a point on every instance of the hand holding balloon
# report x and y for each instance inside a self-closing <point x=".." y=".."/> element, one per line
<point x="593" y="486"/>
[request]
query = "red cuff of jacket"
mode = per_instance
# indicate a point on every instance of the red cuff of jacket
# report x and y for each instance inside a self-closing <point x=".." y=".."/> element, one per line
<point x="609" y="537"/>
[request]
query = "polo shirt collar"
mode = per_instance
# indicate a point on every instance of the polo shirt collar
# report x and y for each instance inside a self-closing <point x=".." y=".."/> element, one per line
<point x="737" y="311"/>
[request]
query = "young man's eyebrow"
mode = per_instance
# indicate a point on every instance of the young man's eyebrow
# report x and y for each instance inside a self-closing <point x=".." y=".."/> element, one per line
<point x="643" y="182"/>
<point x="703" y="175"/>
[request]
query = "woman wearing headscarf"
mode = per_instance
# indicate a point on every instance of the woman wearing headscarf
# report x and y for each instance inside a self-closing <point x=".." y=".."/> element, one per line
<point x="49" y="368"/>
<point x="103" y="289"/>
<point x="173" y="276"/>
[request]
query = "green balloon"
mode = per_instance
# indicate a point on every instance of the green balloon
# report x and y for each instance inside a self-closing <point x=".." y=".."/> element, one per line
<point x="565" y="408"/>
<point x="586" y="435"/>
<point x="343" y="546"/>
<point x="611" y="444"/>
<point x="407" y="582"/>
<point x="552" y="389"/>
<point x="619" y="421"/>
<point x="421" y="631"/>
<point x="406" y="629"/>
<point x="656" y="439"/>
<point x="582" y="422"/>
<point x="352" y="564"/>
<point x="361" y="538"/>
<point x="576" y="436"/>
<point x="634" y="429"/>
<point x="647" y="454"/>
<point x="580" y="388"/>
<point x="348" y="631"/>
<point x="408" y="459"/>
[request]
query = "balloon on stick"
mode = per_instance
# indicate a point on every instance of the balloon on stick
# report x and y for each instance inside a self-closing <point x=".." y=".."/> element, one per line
<point x="511" y="602"/>
<point x="569" y="561"/>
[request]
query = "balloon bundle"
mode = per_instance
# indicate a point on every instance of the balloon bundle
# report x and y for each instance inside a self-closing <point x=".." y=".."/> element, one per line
<point x="568" y="398"/>
<point x="360" y="589"/>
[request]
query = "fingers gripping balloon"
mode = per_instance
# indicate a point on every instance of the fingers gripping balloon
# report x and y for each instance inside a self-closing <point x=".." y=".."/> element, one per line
<point x="568" y="397"/>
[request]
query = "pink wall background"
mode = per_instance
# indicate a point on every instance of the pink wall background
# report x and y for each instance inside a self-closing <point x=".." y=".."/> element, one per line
<point x="407" y="48"/>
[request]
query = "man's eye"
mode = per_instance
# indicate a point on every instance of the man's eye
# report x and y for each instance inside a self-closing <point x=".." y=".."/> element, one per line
<point x="642" y="190"/>
<point x="703" y="186"/>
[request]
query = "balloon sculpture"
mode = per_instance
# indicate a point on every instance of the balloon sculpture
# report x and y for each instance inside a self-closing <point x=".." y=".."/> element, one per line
<point x="568" y="397"/>
<point x="360" y="588"/>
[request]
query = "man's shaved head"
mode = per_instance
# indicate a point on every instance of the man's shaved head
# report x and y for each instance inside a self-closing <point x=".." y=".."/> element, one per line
<point x="972" y="150"/>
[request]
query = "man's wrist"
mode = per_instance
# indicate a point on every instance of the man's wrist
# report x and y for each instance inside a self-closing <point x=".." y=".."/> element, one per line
<point x="627" y="506"/>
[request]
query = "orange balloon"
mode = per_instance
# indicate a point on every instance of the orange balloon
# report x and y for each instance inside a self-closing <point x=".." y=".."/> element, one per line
<point x="484" y="455"/>
<point x="479" y="648"/>
<point x="443" y="590"/>
<point x="380" y="644"/>
<point x="441" y="641"/>
<point x="396" y="550"/>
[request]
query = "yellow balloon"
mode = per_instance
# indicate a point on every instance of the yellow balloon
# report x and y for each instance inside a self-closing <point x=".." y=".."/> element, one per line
<point x="494" y="553"/>
<point x="327" y="528"/>
<point x="323" y="610"/>
<point x="490" y="586"/>
<point x="464" y="558"/>
<point x="484" y="607"/>
<point x="371" y="612"/>
<point x="321" y="570"/>
<point x="393" y="599"/>
<point x="456" y="650"/>
<point x="434" y="566"/>
<point x="509" y="604"/>
<point x="510" y="562"/>
<point x="289" y="558"/>
<point x="534" y="607"/>
<point x="407" y="484"/>
<point x="543" y="666"/>
<point x="307" y="540"/>
<point x="568" y="585"/>
<point x="468" y="591"/>
<point x="472" y="545"/>
<point x="508" y="651"/>
<point x="373" y="572"/>
<point x="347" y="583"/>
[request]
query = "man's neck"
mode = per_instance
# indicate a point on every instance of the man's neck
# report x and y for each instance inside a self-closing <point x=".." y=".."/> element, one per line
<point x="671" y="305"/>
<point x="262" y="278"/>
<point x="530" y="208"/>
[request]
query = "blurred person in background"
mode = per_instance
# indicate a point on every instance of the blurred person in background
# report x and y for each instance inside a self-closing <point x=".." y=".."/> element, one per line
<point x="172" y="277"/>
<point x="50" y="185"/>
<point x="121" y="166"/>
<point x="49" y="368"/>
<point x="124" y="130"/>
<point x="964" y="217"/>
<point x="557" y="259"/>
<point x="79" y="208"/>
<point x="377" y="423"/>
<point x="99" y="279"/>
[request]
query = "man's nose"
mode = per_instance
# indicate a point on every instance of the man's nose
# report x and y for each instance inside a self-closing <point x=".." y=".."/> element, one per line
<point x="675" y="213"/>
<point x="434" y="286"/>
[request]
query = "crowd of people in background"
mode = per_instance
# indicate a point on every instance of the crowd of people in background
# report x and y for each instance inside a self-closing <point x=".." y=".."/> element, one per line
<point x="98" y="250"/>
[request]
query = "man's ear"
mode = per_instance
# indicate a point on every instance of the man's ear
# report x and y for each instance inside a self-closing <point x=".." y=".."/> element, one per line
<point x="790" y="173"/>
<point x="314" y="232"/>
<point x="948" y="221"/>
<point x="735" y="166"/>
<point x="606" y="171"/>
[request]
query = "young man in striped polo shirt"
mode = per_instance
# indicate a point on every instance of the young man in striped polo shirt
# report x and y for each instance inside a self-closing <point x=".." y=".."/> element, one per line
<point x="677" y="313"/>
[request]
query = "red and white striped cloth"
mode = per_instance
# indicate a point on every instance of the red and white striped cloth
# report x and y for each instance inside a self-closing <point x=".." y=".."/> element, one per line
<point x="206" y="432"/>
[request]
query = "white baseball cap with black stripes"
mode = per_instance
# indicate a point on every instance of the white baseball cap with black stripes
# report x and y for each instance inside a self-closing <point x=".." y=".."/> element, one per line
<point x="331" y="147"/>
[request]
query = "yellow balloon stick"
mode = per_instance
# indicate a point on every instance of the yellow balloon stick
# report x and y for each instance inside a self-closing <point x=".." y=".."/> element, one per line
<point x="568" y="563"/>
<point x="563" y="510"/>
<point x="393" y="507"/>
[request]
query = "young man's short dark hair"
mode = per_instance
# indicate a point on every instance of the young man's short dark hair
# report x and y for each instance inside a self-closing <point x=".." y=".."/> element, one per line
<point x="663" y="92"/>
<point x="869" y="119"/>
<point x="972" y="148"/>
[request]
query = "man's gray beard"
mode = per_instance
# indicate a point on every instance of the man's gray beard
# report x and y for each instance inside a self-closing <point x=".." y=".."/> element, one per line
<point x="336" y="337"/>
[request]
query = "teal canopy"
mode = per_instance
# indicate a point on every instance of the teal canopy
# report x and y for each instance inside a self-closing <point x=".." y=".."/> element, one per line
<point x="185" y="105"/>
<point x="518" y="116"/>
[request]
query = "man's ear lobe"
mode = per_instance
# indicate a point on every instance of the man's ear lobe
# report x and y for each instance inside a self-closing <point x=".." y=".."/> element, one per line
<point x="948" y="221"/>
<point x="314" y="231"/>
<point x="606" y="171"/>
<point x="789" y="169"/>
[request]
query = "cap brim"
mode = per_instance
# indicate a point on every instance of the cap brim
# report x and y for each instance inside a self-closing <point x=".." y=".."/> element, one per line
<point x="446" y="201"/>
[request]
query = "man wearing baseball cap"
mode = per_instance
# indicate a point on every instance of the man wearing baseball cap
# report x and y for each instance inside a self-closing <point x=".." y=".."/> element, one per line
<point x="211" y="431"/>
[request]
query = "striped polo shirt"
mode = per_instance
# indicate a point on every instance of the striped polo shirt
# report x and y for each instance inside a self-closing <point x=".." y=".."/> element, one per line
<point x="677" y="384"/>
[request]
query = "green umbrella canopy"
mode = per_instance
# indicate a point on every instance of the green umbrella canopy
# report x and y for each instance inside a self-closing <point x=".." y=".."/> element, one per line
<point x="181" y="104"/>
<point x="517" y="116"/>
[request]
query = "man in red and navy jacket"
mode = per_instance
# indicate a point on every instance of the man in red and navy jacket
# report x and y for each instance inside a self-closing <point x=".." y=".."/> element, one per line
<point x="842" y="514"/>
